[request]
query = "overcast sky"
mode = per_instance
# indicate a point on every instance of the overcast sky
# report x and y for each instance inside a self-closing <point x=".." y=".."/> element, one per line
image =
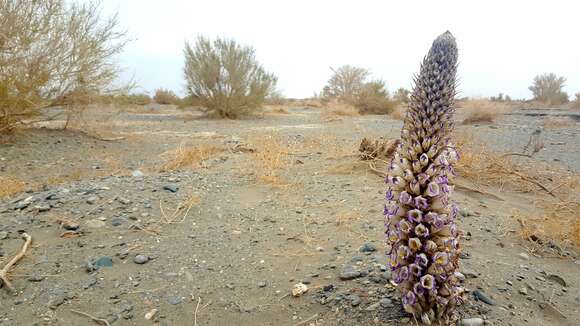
<point x="503" y="44"/>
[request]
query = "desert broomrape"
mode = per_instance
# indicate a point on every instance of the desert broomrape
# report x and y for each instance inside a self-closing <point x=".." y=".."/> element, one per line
<point x="420" y="219"/>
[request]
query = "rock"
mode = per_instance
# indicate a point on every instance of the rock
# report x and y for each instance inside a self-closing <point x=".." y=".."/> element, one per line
<point x="355" y="259"/>
<point x="124" y="200"/>
<point x="368" y="247"/>
<point x="91" y="200"/>
<point x="116" y="221"/>
<point x="479" y="295"/>
<point x="90" y="283"/>
<point x="471" y="322"/>
<point x="470" y="273"/>
<point x="103" y="262"/>
<point x="373" y="307"/>
<point x="140" y="259"/>
<point x="3" y="235"/>
<point x="151" y="314"/>
<point x="354" y="300"/>
<point x="174" y="301"/>
<point x="36" y="278"/>
<point x="137" y="174"/>
<point x="465" y="212"/>
<point x="524" y="291"/>
<point x="299" y="289"/>
<point x="524" y="256"/>
<point x="171" y="188"/>
<point x="56" y="301"/>
<point x="557" y="279"/>
<point x="42" y="207"/>
<point x="261" y="284"/>
<point x="70" y="226"/>
<point x="349" y="273"/>
<point x="386" y="303"/>
<point x="95" y="224"/>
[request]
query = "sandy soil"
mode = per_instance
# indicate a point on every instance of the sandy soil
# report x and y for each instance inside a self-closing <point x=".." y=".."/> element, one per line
<point x="224" y="241"/>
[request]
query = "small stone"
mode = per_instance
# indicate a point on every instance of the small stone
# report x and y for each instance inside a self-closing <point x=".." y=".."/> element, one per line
<point x="116" y="221"/>
<point x="140" y="259"/>
<point x="3" y="235"/>
<point x="470" y="273"/>
<point x="319" y="249"/>
<point x="42" y="207"/>
<point x="103" y="262"/>
<point x="524" y="256"/>
<point x="368" y="247"/>
<point x="36" y="278"/>
<point x="56" y="301"/>
<point x="95" y="224"/>
<point x="465" y="212"/>
<point x="373" y="307"/>
<point x="93" y="199"/>
<point x="356" y="259"/>
<point x="524" y="291"/>
<point x="171" y="188"/>
<point x="70" y="226"/>
<point x="479" y="295"/>
<point x="151" y="314"/>
<point x="557" y="279"/>
<point x="137" y="174"/>
<point x="471" y="322"/>
<point x="174" y="301"/>
<point x="354" y="300"/>
<point x="349" y="273"/>
<point x="124" y="200"/>
<point x="386" y="303"/>
<point x="261" y="284"/>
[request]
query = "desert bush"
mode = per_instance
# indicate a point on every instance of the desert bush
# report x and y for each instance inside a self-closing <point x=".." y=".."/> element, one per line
<point x="226" y="77"/>
<point x="373" y="98"/>
<point x="346" y="82"/>
<point x="547" y="88"/>
<point x="166" y="96"/>
<point x="482" y="110"/>
<point x="276" y="98"/>
<point x="402" y="95"/>
<point x="53" y="51"/>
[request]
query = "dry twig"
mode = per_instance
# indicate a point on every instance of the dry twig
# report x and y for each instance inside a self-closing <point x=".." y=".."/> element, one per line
<point x="3" y="273"/>
<point x="95" y="319"/>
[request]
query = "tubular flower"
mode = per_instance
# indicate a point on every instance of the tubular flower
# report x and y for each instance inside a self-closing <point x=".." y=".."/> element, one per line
<point x="420" y="218"/>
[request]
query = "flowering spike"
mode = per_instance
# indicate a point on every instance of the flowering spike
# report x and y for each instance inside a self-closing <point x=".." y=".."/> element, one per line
<point x="422" y="232"/>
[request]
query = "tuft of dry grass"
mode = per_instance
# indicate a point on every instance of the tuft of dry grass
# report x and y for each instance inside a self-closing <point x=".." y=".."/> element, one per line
<point x="10" y="186"/>
<point x="482" y="111"/>
<point x="335" y="108"/>
<point x="557" y="227"/>
<point x="270" y="158"/>
<point x="557" y="122"/>
<point x="190" y="157"/>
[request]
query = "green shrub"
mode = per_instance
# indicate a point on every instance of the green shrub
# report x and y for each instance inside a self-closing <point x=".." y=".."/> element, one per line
<point x="226" y="77"/>
<point x="373" y="98"/>
<point x="548" y="89"/>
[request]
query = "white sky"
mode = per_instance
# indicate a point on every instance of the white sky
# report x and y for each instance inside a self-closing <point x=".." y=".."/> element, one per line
<point x="503" y="44"/>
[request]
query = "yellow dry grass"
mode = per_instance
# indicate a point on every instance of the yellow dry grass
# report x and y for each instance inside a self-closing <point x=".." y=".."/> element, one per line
<point x="399" y="113"/>
<point x="557" y="122"/>
<point x="270" y="158"/>
<point x="482" y="110"/>
<point x="335" y="108"/>
<point x="190" y="157"/>
<point x="10" y="186"/>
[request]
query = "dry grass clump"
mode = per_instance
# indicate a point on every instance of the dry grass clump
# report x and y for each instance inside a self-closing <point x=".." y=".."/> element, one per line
<point x="10" y="186"/>
<point x="166" y="97"/>
<point x="190" y="157"/>
<point x="399" y="113"/>
<point x="270" y="158"/>
<point x="482" y="110"/>
<point x="557" y="122"/>
<point x="557" y="228"/>
<point x="335" y="108"/>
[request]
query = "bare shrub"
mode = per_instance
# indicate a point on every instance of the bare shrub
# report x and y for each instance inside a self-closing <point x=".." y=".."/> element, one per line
<point x="374" y="98"/>
<point x="166" y="96"/>
<point x="346" y="82"/>
<point x="402" y="95"/>
<point x="547" y="88"/>
<point x="51" y="51"/>
<point x="189" y="157"/>
<point x="226" y="77"/>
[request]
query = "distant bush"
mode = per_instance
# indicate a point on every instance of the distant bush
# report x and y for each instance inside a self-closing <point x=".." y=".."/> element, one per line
<point x="51" y="52"/>
<point x="576" y="104"/>
<point x="131" y="99"/>
<point x="276" y="98"/>
<point x="166" y="96"/>
<point x="481" y="110"/>
<point x="402" y="95"/>
<point x="373" y="98"/>
<point x="345" y="83"/>
<point x="547" y="88"/>
<point x="226" y="77"/>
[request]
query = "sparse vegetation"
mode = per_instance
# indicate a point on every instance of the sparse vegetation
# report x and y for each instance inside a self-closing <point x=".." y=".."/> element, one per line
<point x="548" y="89"/>
<point x="346" y="83"/>
<point x="166" y="96"/>
<point x="481" y="110"/>
<point x="374" y="98"/>
<point x="402" y="95"/>
<point x="189" y="157"/>
<point x="52" y="52"/>
<point x="226" y="77"/>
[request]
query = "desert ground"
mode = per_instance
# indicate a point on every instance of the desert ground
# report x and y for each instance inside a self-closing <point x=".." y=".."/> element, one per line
<point x="183" y="220"/>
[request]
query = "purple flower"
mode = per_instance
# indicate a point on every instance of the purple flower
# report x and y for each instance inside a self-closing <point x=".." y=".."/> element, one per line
<point x="401" y="274"/>
<point x="390" y="195"/>
<point x="421" y="260"/>
<point x="415" y="270"/>
<point x="415" y="187"/>
<point x="392" y="236"/>
<point x="424" y="160"/>
<point x="429" y="217"/>
<point x="423" y="178"/>
<point x="403" y="253"/>
<point x="430" y="247"/>
<point x="414" y="244"/>
<point x="404" y="226"/>
<point x="421" y="202"/>
<point x="418" y="289"/>
<point x="422" y="231"/>
<point x="405" y="198"/>
<point x="433" y="189"/>
<point x="428" y="282"/>
<point x="441" y="258"/>
<point x="409" y="298"/>
<point x="415" y="215"/>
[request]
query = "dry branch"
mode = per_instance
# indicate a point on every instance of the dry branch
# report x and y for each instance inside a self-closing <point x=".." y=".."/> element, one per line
<point x="95" y="319"/>
<point x="3" y="273"/>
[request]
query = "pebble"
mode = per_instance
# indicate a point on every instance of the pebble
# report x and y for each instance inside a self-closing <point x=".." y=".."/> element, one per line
<point x="349" y="273"/>
<point x="116" y="221"/>
<point x="140" y="259"/>
<point x="3" y="235"/>
<point x="479" y="295"/>
<point x="124" y="200"/>
<point x="137" y="174"/>
<point x="261" y="284"/>
<point x="465" y="212"/>
<point x="373" y="307"/>
<point x="70" y="226"/>
<point x="524" y="256"/>
<point x="174" y="301"/>
<point x="557" y="279"/>
<point x="93" y="199"/>
<point x="171" y="188"/>
<point x="368" y="247"/>
<point x="103" y="262"/>
<point x="43" y="207"/>
<point x="524" y="291"/>
<point x="354" y="300"/>
<point x="386" y="303"/>
<point x="471" y="322"/>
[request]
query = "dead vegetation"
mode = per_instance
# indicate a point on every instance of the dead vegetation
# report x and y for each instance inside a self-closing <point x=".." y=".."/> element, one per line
<point x="270" y="158"/>
<point x="10" y="186"/>
<point x="192" y="157"/>
<point x="482" y="111"/>
<point x="557" y="122"/>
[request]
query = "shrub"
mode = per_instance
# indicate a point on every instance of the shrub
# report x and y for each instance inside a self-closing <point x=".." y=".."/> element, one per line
<point x="165" y="96"/>
<point x="373" y="98"/>
<point x="226" y="77"/>
<point x="402" y="95"/>
<point x="346" y="82"/>
<point x="482" y="110"/>
<point x="547" y="88"/>
<point x="52" y="51"/>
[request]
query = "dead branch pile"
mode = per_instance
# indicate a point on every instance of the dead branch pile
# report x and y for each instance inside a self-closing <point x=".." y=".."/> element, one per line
<point x="378" y="149"/>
